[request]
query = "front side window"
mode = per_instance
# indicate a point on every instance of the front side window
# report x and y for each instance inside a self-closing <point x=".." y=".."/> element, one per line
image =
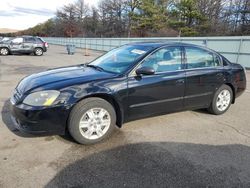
<point x="165" y="59"/>
<point x="17" y="40"/>
<point x="199" y="58"/>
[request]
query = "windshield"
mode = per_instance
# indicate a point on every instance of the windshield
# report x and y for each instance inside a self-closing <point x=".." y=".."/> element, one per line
<point x="120" y="59"/>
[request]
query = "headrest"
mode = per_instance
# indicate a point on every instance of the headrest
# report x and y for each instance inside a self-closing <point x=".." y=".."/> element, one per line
<point x="167" y="56"/>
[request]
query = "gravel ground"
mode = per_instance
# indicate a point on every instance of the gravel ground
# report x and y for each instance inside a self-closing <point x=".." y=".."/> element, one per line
<point x="185" y="149"/>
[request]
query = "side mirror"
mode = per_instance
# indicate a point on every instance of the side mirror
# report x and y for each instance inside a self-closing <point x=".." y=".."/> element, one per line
<point x="145" y="71"/>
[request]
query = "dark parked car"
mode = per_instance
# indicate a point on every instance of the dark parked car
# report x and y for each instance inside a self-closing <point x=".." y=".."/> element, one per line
<point x="24" y="45"/>
<point x="131" y="82"/>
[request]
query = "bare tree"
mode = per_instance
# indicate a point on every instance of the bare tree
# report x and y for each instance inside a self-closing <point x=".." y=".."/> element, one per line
<point x="119" y="18"/>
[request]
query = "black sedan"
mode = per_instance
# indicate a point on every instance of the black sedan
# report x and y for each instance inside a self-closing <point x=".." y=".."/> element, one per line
<point x="131" y="82"/>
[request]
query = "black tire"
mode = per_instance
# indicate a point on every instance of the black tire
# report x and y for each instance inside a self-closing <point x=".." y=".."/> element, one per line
<point x="4" y="51"/>
<point x="79" y="110"/>
<point x="38" y="51"/>
<point x="213" y="109"/>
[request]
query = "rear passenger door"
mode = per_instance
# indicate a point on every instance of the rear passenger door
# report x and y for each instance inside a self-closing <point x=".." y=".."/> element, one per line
<point x="204" y="75"/>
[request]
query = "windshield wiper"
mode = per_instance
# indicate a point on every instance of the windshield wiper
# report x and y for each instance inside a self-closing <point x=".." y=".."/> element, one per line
<point x="95" y="67"/>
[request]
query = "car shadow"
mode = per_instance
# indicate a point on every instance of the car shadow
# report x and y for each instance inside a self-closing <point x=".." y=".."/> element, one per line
<point x="157" y="164"/>
<point x="21" y="54"/>
<point x="66" y="137"/>
<point x="65" y="53"/>
<point x="203" y="111"/>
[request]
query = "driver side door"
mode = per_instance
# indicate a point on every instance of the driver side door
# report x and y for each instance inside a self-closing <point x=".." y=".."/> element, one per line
<point x="161" y="92"/>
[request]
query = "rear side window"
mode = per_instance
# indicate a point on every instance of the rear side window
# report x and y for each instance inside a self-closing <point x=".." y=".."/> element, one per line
<point x="30" y="39"/>
<point x="199" y="58"/>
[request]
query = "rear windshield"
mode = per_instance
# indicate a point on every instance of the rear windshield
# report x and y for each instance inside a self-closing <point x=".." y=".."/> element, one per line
<point x="40" y="39"/>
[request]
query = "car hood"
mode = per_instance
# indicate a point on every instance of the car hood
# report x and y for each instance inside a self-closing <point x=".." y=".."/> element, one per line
<point x="65" y="76"/>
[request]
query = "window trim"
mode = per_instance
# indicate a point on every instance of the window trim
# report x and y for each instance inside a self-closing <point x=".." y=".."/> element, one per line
<point x="198" y="68"/>
<point x="132" y="73"/>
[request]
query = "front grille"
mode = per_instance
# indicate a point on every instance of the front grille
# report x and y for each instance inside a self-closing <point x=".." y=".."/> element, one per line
<point x="16" y="97"/>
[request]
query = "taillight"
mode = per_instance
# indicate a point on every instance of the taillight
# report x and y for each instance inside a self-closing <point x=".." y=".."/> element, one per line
<point x="46" y="44"/>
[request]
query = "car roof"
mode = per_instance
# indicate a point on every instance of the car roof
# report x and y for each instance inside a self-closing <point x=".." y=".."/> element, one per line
<point x="164" y="43"/>
<point x="158" y="44"/>
<point x="27" y="36"/>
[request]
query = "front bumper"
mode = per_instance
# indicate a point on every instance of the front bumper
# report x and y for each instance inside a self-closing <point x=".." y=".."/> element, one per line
<point x="39" y="120"/>
<point x="45" y="49"/>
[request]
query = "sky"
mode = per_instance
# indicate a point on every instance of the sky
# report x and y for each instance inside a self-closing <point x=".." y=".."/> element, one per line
<point x="22" y="14"/>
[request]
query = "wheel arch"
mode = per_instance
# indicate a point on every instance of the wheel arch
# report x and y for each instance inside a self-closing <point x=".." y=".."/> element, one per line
<point x="5" y="47"/>
<point x="37" y="48"/>
<point x="233" y="89"/>
<point x="109" y="98"/>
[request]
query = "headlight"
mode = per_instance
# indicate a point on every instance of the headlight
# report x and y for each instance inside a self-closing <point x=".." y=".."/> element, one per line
<point x="41" y="98"/>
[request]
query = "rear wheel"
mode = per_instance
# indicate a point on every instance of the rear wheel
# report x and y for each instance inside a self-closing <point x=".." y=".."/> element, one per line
<point x="4" y="51"/>
<point x="222" y="100"/>
<point x="91" y="120"/>
<point x="38" y="51"/>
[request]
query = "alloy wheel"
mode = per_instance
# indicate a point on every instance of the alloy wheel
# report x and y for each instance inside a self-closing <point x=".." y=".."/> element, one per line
<point x="223" y="100"/>
<point x="4" y="51"/>
<point x="95" y="123"/>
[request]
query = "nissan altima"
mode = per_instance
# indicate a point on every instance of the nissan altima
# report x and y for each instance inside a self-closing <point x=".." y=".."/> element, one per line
<point x="130" y="82"/>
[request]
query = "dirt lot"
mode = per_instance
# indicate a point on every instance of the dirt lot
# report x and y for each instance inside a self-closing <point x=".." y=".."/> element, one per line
<point x="186" y="149"/>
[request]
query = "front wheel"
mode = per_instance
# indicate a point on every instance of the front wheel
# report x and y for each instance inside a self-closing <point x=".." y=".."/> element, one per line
<point x="4" y="51"/>
<point x="222" y="100"/>
<point x="91" y="120"/>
